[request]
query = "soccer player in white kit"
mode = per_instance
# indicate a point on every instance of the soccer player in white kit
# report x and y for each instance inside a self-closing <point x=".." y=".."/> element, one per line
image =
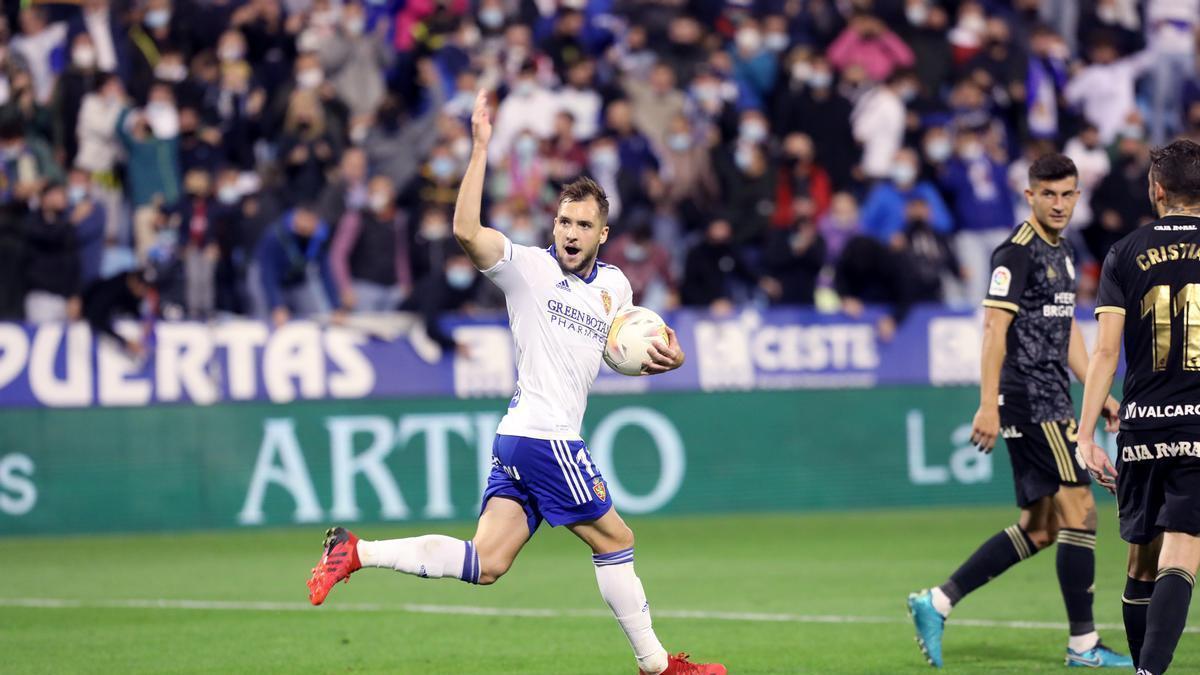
<point x="561" y="301"/>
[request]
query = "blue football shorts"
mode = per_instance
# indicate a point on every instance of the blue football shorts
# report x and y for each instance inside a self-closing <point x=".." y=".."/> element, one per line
<point x="552" y="480"/>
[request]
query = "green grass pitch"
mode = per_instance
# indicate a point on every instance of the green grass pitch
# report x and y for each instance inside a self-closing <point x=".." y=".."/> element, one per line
<point x="791" y="567"/>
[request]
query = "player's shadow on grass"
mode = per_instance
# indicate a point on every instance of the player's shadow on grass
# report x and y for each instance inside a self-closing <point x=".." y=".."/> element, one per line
<point x="970" y="655"/>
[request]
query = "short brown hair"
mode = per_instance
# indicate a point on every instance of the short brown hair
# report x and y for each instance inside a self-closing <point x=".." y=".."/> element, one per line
<point x="1176" y="167"/>
<point x="582" y="188"/>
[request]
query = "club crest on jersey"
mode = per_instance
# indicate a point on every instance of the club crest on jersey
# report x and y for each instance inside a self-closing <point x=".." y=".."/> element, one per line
<point x="607" y="300"/>
<point x="600" y="489"/>
<point x="1001" y="280"/>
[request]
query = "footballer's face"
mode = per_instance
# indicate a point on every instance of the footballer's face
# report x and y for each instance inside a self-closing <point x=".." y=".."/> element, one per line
<point x="1053" y="201"/>
<point x="578" y="232"/>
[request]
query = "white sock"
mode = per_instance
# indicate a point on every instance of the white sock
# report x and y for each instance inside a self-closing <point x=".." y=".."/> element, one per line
<point x="622" y="590"/>
<point x="432" y="556"/>
<point x="1082" y="643"/>
<point x="941" y="602"/>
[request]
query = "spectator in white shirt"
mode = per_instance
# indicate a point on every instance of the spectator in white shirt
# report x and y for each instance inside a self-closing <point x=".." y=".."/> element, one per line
<point x="579" y="98"/>
<point x="878" y="122"/>
<point x="1104" y="90"/>
<point x="36" y="43"/>
<point x="528" y="106"/>
<point x="1092" y="161"/>
<point x="1171" y="27"/>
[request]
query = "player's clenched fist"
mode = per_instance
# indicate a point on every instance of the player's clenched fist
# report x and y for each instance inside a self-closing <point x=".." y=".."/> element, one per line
<point x="481" y="122"/>
<point x="985" y="428"/>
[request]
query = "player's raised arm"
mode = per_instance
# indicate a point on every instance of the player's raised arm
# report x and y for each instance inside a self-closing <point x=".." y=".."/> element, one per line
<point x="986" y="425"/>
<point x="483" y="245"/>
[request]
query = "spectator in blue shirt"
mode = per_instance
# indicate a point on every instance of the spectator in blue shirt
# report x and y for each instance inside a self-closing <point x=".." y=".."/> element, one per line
<point x="883" y="212"/>
<point x="293" y="265"/>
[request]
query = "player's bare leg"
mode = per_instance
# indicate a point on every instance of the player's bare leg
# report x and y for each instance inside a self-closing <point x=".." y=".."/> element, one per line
<point x="1139" y="587"/>
<point x="501" y="533"/>
<point x="1167" y="614"/>
<point x="611" y="542"/>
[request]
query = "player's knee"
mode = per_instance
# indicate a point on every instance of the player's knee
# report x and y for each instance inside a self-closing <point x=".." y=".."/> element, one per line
<point x="490" y="571"/>
<point x="623" y="538"/>
<point x="1042" y="536"/>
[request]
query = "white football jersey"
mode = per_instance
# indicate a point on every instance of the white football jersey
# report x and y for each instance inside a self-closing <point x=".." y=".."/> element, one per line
<point x="559" y="324"/>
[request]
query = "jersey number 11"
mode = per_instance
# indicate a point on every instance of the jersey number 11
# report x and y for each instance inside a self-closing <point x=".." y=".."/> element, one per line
<point x="1158" y="304"/>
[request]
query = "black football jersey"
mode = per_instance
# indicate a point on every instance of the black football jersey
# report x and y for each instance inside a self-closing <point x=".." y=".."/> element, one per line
<point x="1152" y="277"/>
<point x="1035" y="280"/>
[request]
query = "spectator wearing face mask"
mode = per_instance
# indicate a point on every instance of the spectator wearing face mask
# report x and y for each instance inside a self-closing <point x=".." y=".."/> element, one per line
<point x="1104" y="90"/>
<point x="883" y="211"/>
<point x="150" y="137"/>
<point x="52" y="259"/>
<point x="579" y="98"/>
<point x="437" y="183"/>
<point x="812" y="105"/>
<point x="79" y="79"/>
<point x="1171" y="29"/>
<point x="926" y="253"/>
<point x="1093" y="163"/>
<point x="237" y="105"/>
<point x="839" y="225"/>
<point x="647" y="265"/>
<point x="37" y="42"/>
<point x="1119" y="204"/>
<point x="433" y="244"/>
<point x="799" y="177"/>
<point x="869" y="44"/>
<point x="1045" y="80"/>
<point x="157" y="30"/>
<point x="522" y="177"/>
<point x="747" y="184"/>
<point x="198" y="241"/>
<point x="293" y="267"/>
<point x="793" y="259"/>
<point x="977" y="186"/>
<point x="103" y="27"/>
<point x="878" y="122"/>
<point x="528" y="107"/>
<point x="99" y="149"/>
<point x="924" y="31"/>
<point x="369" y="256"/>
<point x="654" y="102"/>
<point x="89" y="218"/>
<point x="452" y="289"/>
<point x="27" y="167"/>
<point x="565" y="156"/>
<point x="308" y="147"/>
<point x="715" y="275"/>
<point x="753" y="65"/>
<point x="36" y="118"/>
<point x="356" y="61"/>
<point x="398" y="141"/>
<point x="689" y="185"/>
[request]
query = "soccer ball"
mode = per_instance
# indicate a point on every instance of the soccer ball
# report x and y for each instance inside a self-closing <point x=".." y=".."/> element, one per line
<point x="628" y="345"/>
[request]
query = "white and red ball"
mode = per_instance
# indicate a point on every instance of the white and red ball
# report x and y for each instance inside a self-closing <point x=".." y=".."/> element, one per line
<point x="629" y="337"/>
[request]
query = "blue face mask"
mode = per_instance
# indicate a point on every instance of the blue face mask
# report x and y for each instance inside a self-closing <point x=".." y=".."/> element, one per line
<point x="605" y="160"/>
<point x="459" y="278"/>
<point x="743" y="159"/>
<point x="527" y="146"/>
<point x="491" y="17"/>
<point x="76" y="194"/>
<point x="442" y="167"/>
<point x="820" y="79"/>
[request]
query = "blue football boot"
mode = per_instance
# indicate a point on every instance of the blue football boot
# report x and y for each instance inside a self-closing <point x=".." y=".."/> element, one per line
<point x="930" y="625"/>
<point x="1097" y="657"/>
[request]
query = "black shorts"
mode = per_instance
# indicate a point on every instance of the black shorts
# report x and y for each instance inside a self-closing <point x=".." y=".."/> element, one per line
<point x="1043" y="458"/>
<point x="1158" y="483"/>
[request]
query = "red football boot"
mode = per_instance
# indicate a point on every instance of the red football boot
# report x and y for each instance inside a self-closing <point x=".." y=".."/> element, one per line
<point x="678" y="664"/>
<point x="338" y="562"/>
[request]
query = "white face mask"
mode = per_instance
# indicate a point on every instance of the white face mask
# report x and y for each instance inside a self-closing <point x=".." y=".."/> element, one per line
<point x="163" y="119"/>
<point x="938" y="149"/>
<point x="171" y="72"/>
<point x="355" y="26"/>
<point x="83" y="56"/>
<point x="904" y="174"/>
<point x="157" y="18"/>
<point x="228" y="194"/>
<point x="233" y="53"/>
<point x="917" y="14"/>
<point x="749" y="40"/>
<point x="776" y="42"/>
<point x="310" y="79"/>
<point x="380" y="201"/>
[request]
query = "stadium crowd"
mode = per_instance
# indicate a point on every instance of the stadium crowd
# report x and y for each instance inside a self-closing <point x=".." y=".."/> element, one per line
<point x="281" y="158"/>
